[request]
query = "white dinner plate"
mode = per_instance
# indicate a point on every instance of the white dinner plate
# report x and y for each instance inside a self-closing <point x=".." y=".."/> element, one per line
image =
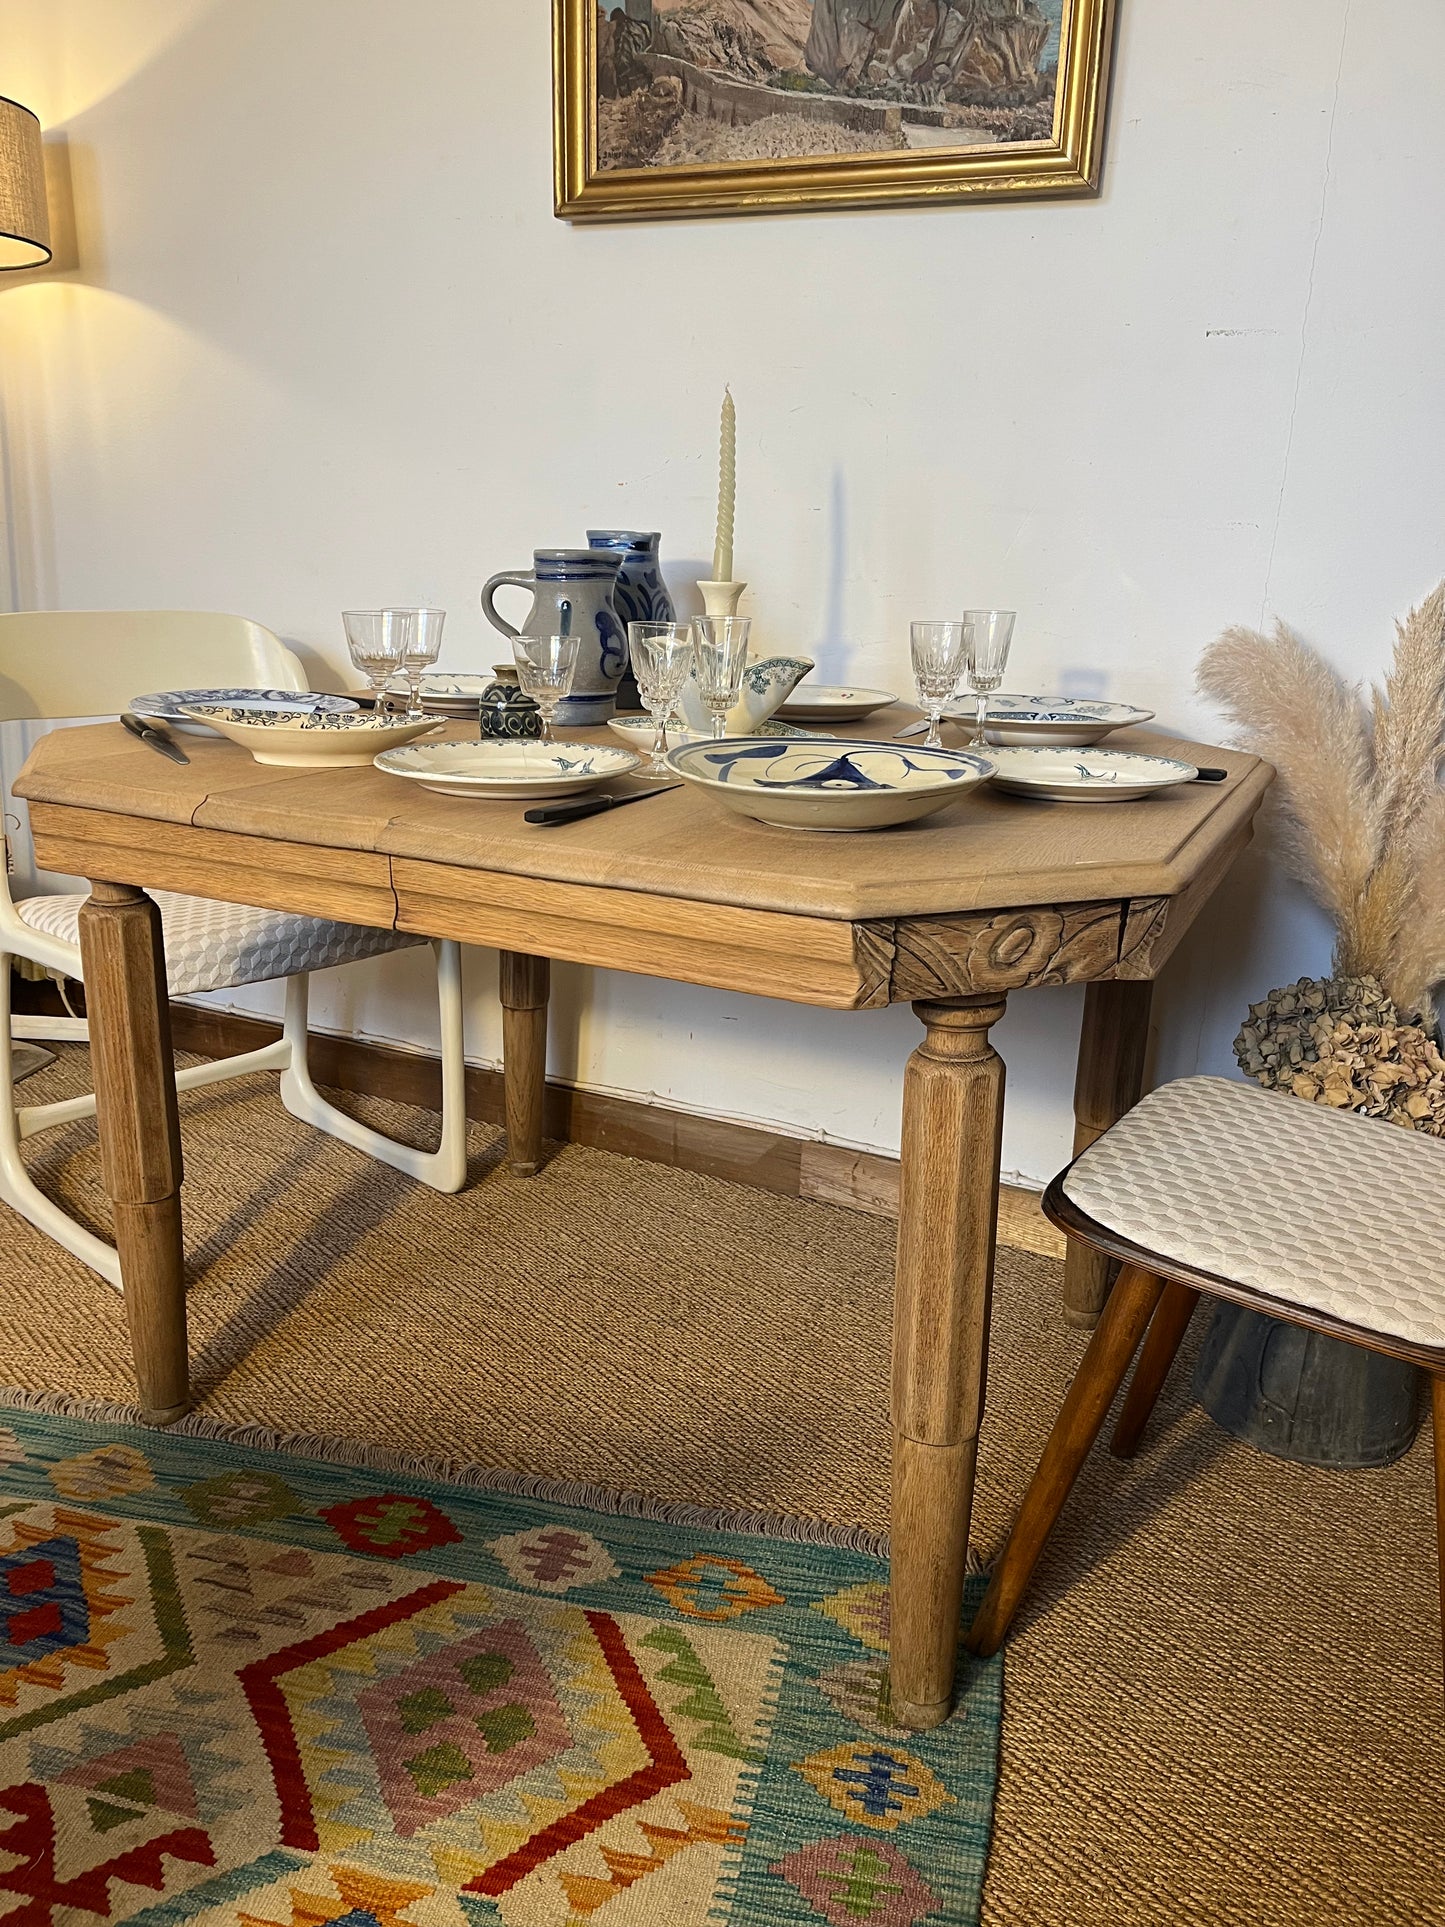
<point x="1086" y="776"/>
<point x="818" y="702"/>
<point x="507" y="770"/>
<point x="1037" y="721"/>
<point x="169" y="705"/>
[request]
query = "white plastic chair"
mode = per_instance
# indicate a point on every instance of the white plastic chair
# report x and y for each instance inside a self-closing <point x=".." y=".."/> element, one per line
<point x="80" y="663"/>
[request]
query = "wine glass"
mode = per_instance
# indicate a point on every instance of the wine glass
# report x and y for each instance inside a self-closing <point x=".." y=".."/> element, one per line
<point x="661" y="659"/>
<point x="422" y="646"/>
<point x="545" y="668"/>
<point x="989" y="633"/>
<point x="377" y="640"/>
<point x="719" y="656"/>
<point x="940" y="651"/>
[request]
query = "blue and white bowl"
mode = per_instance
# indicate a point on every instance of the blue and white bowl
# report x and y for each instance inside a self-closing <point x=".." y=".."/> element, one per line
<point x="1064" y="722"/>
<point x="829" y="785"/>
<point x="324" y="739"/>
<point x="169" y="706"/>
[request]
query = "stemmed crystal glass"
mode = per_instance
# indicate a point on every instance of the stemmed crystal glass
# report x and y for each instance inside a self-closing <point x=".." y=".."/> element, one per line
<point x="378" y="640"/>
<point x="422" y="646"/>
<point x="719" y="656"/>
<point x="989" y="633"/>
<point x="940" y="651"/>
<point x="661" y="659"/>
<point x="545" y="668"/>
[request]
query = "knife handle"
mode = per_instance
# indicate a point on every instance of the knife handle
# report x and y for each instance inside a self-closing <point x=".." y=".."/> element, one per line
<point x="568" y="812"/>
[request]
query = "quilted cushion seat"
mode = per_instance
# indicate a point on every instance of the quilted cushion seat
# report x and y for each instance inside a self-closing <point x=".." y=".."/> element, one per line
<point x="1322" y="1209"/>
<point x="217" y="946"/>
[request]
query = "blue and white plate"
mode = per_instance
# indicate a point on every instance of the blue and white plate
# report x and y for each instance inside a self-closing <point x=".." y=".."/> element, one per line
<point x="1086" y="776"/>
<point x="169" y="705"/>
<point x="1064" y="721"/>
<point x="828" y="785"/>
<point x="319" y="739"/>
<point x="508" y="770"/>
<point x="637" y="730"/>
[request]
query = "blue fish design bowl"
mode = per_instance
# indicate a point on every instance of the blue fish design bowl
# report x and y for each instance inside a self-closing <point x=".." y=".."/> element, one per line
<point x="829" y="784"/>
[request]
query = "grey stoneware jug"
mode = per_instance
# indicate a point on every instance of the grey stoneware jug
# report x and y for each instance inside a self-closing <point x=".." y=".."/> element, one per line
<point x="572" y="594"/>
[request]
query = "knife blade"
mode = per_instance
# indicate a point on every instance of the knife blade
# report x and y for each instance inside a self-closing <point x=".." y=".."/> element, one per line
<point x="912" y="729"/>
<point x="591" y="806"/>
<point x="154" y="738"/>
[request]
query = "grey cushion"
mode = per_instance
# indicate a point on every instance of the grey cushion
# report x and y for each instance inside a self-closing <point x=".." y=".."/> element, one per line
<point x="1323" y="1209"/>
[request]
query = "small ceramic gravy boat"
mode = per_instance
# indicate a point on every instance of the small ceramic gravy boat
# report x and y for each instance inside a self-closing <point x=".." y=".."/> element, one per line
<point x="767" y="685"/>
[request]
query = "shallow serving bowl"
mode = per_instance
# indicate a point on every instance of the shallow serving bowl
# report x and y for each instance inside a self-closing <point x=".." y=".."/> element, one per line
<point x="508" y="770"/>
<point x="1040" y="721"/>
<point x="324" y="739"/>
<point x="1091" y="776"/>
<point x="828" y="785"/>
<point x="169" y="706"/>
<point x="816" y="702"/>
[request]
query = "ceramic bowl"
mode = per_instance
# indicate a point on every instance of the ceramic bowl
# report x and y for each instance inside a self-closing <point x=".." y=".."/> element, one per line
<point x="828" y="785"/>
<point x="169" y="705"/>
<point x="1094" y="776"/>
<point x="1050" y="721"/>
<point x="326" y="739"/>
<point x="508" y="770"/>
<point x="767" y="684"/>
<point x="636" y="731"/>
<point x="816" y="702"/>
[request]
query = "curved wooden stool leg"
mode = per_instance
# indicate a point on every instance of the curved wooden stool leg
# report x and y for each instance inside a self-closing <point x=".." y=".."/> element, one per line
<point x="1437" y="1399"/>
<point x="1130" y="1306"/>
<point x="1161" y="1346"/>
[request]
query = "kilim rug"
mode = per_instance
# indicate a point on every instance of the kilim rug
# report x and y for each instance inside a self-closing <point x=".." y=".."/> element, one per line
<point x="247" y="1688"/>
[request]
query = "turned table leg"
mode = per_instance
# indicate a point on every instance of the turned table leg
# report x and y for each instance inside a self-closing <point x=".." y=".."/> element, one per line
<point x="1112" y="1049"/>
<point x="140" y="1139"/>
<point x="948" y="1204"/>
<point x="526" y="982"/>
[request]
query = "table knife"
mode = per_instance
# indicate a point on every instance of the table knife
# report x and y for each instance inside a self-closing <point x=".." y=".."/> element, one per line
<point x="591" y="806"/>
<point x="154" y="738"/>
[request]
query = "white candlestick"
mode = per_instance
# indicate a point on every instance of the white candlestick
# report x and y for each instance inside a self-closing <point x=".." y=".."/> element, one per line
<point x="727" y="492"/>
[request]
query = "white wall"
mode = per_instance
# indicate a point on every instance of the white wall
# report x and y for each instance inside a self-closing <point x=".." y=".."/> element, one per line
<point x="329" y="346"/>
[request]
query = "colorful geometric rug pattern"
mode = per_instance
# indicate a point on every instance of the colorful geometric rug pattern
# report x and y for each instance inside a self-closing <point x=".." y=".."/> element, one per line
<point x="246" y="1689"/>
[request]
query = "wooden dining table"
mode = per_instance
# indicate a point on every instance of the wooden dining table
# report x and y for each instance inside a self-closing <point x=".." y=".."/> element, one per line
<point x="993" y="895"/>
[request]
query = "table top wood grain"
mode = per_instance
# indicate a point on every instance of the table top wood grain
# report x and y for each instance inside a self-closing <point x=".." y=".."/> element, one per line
<point x="996" y="892"/>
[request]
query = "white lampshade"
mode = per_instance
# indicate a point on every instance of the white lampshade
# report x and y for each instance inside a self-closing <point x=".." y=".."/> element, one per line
<point x="24" y="213"/>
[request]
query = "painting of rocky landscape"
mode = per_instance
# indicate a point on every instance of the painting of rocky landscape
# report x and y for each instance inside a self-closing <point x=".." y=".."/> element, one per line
<point x="687" y="82"/>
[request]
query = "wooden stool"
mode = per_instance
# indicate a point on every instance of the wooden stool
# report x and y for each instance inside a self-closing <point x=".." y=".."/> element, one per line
<point x="1319" y="1217"/>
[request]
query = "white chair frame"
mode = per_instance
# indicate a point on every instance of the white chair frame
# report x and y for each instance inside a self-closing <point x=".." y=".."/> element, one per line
<point x="175" y="647"/>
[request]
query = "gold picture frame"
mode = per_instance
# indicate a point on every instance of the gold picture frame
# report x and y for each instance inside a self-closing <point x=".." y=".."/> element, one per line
<point x="1066" y="162"/>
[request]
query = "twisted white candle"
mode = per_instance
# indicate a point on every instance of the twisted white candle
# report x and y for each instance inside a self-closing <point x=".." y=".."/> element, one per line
<point x="727" y="492"/>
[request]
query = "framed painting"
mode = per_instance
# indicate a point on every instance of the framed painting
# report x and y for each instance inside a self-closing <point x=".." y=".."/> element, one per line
<point x="678" y="107"/>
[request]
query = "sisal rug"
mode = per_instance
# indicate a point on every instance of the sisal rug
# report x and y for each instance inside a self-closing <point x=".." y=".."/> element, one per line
<point x="248" y="1688"/>
<point x="1223" y="1694"/>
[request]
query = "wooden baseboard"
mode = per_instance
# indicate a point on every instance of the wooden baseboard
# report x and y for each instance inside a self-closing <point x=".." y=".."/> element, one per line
<point x="715" y="1147"/>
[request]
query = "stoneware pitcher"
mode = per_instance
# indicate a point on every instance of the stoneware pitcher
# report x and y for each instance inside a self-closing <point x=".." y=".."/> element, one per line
<point x="640" y="594"/>
<point x="572" y="595"/>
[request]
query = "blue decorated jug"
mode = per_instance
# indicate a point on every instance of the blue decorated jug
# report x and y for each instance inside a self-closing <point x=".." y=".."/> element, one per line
<point x="640" y="595"/>
<point x="572" y="594"/>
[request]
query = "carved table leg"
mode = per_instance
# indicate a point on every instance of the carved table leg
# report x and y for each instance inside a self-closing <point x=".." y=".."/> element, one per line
<point x="526" y="982"/>
<point x="948" y="1204"/>
<point x="1112" y="1049"/>
<point x="140" y="1140"/>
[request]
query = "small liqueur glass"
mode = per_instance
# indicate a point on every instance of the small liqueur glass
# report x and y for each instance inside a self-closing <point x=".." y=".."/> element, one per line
<point x="545" y="668"/>
<point x="719" y="657"/>
<point x="378" y="641"/>
<point x="422" y="646"/>
<point x="990" y="633"/>
<point x="940" y="653"/>
<point x="661" y="660"/>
